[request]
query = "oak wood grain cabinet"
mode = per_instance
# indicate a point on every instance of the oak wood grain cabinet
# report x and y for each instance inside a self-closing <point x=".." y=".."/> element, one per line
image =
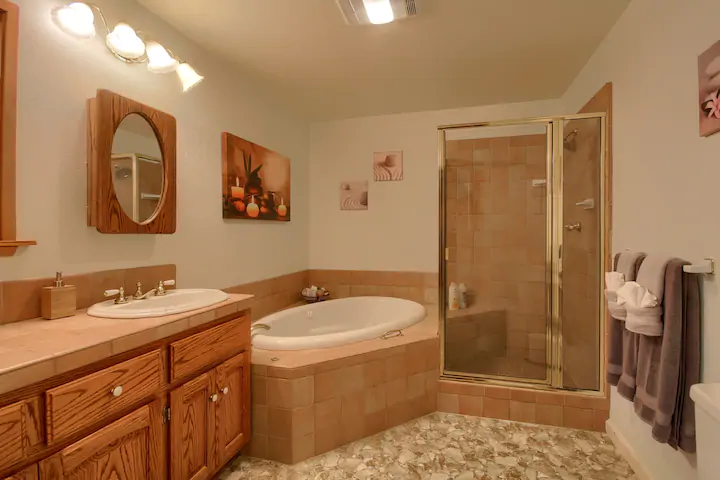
<point x="30" y="473"/>
<point x="210" y="419"/>
<point x="174" y="408"/>
<point x="128" y="448"/>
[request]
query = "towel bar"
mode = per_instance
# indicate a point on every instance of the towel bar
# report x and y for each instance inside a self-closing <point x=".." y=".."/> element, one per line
<point x="707" y="268"/>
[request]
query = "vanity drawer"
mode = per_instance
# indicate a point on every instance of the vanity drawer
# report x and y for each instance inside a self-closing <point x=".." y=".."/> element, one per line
<point x="196" y="352"/>
<point x="86" y="401"/>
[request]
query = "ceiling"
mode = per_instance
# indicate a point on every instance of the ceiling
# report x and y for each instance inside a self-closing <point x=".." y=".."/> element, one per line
<point x="455" y="53"/>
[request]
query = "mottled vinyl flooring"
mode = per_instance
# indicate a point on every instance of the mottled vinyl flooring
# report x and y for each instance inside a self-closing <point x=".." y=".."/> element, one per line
<point x="445" y="446"/>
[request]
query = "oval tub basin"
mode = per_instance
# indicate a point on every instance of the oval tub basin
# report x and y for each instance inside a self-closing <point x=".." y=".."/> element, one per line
<point x="336" y="322"/>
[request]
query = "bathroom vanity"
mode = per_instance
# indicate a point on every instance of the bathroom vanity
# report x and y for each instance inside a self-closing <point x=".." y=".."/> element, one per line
<point x="171" y="400"/>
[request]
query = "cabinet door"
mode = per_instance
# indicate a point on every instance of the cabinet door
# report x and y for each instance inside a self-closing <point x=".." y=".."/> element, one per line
<point x="129" y="449"/>
<point x="30" y="473"/>
<point x="192" y="416"/>
<point x="232" y="422"/>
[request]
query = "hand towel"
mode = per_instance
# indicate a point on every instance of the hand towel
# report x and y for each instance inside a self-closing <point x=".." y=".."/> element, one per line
<point x="670" y="364"/>
<point x="651" y="275"/>
<point x="620" y="341"/>
<point x="613" y="281"/>
<point x="643" y="313"/>
<point x="642" y="297"/>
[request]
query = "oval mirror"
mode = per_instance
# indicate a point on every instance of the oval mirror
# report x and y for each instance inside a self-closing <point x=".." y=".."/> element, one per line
<point x="137" y="168"/>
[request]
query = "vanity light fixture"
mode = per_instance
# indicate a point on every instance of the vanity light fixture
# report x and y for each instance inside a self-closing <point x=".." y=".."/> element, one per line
<point x="188" y="76"/>
<point x="78" y="19"/>
<point x="159" y="60"/>
<point x="124" y="42"/>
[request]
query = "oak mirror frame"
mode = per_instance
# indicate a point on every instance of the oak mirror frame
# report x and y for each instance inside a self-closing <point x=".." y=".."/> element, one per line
<point x="105" y="211"/>
<point x="9" y="25"/>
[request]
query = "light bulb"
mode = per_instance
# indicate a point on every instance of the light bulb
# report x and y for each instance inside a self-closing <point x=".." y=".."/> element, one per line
<point x="379" y="11"/>
<point x="159" y="60"/>
<point x="76" y="19"/>
<point x="124" y="42"/>
<point x="188" y="76"/>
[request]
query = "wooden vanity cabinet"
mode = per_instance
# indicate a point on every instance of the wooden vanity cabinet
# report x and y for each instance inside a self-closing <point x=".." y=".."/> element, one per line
<point x="129" y="448"/>
<point x="30" y="473"/>
<point x="210" y="419"/>
<point x="175" y="408"/>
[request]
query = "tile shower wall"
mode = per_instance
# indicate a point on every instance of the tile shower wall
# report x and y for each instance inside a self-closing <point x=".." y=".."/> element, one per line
<point x="496" y="223"/>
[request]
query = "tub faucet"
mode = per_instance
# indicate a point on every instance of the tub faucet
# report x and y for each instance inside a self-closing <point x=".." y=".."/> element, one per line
<point x="258" y="326"/>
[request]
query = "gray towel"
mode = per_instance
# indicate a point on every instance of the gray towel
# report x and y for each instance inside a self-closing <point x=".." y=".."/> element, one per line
<point x="627" y="263"/>
<point x="670" y="364"/>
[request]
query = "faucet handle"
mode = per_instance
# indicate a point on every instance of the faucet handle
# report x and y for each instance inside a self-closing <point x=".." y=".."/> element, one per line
<point x="161" y="286"/>
<point x="138" y="292"/>
<point x="121" y="295"/>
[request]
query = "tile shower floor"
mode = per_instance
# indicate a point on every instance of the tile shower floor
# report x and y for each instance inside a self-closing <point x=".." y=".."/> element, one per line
<point x="444" y="446"/>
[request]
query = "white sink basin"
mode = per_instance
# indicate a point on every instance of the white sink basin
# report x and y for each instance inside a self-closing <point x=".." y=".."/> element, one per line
<point x="176" y="301"/>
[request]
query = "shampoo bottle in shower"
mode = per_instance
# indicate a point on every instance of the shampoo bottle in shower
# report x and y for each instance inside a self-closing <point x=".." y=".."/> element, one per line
<point x="462" y="294"/>
<point x="454" y="296"/>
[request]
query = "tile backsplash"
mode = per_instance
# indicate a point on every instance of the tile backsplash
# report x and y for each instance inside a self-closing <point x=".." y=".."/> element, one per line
<point x="20" y="299"/>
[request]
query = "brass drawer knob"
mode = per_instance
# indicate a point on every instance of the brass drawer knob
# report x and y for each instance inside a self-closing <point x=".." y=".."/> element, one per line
<point x="117" y="391"/>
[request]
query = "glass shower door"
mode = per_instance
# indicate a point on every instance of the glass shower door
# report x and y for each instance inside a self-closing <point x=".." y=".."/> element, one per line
<point x="496" y="233"/>
<point x="582" y="262"/>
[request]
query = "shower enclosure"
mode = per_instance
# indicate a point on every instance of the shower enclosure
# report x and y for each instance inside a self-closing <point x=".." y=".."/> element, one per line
<point x="523" y="227"/>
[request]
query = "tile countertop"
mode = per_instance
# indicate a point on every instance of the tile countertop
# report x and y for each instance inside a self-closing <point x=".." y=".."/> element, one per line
<point x="34" y="350"/>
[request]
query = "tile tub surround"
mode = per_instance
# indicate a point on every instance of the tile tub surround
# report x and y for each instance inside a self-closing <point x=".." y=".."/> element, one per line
<point x="20" y="299"/>
<point x="34" y="350"/>
<point x="562" y="409"/>
<point x="275" y="293"/>
<point x="325" y="398"/>
<point x="419" y="287"/>
<point x="443" y="446"/>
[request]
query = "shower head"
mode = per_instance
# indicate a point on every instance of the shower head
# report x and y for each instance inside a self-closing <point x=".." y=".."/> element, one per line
<point x="569" y="140"/>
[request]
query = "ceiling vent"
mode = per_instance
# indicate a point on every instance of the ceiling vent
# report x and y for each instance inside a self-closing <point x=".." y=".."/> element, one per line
<point x="354" y="10"/>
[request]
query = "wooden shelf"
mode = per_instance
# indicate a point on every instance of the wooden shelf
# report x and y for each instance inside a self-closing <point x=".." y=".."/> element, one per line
<point x="9" y="247"/>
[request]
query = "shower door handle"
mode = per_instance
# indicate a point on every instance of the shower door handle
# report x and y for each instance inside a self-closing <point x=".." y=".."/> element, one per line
<point x="573" y="227"/>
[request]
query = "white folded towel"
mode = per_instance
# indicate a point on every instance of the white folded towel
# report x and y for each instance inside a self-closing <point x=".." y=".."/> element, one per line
<point x="614" y="281"/>
<point x="643" y="313"/>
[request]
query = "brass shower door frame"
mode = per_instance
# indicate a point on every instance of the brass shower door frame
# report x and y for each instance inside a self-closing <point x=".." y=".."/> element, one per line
<point x="555" y="132"/>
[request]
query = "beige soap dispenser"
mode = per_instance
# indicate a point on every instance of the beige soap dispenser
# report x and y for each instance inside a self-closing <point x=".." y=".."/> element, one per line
<point x="58" y="301"/>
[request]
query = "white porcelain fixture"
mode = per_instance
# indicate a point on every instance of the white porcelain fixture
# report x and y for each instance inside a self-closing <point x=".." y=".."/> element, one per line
<point x="707" y="420"/>
<point x="337" y="322"/>
<point x="175" y="301"/>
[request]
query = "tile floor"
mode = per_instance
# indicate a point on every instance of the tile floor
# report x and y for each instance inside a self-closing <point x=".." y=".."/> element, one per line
<point x="443" y="446"/>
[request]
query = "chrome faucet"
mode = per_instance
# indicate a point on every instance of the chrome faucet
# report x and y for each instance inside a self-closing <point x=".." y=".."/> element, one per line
<point x="258" y="326"/>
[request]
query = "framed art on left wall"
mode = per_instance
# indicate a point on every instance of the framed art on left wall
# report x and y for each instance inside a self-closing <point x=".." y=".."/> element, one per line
<point x="256" y="181"/>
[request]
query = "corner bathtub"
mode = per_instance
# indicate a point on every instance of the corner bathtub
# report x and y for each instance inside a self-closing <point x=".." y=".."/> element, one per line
<point x="336" y="322"/>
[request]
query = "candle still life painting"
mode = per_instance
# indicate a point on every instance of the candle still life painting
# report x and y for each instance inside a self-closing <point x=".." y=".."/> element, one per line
<point x="256" y="181"/>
